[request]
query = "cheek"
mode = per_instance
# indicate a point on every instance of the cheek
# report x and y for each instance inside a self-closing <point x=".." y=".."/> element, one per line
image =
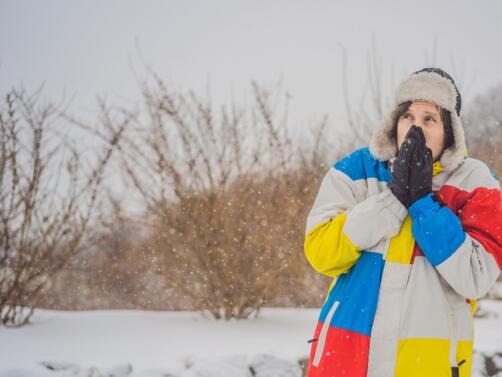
<point x="435" y="137"/>
<point x="435" y="141"/>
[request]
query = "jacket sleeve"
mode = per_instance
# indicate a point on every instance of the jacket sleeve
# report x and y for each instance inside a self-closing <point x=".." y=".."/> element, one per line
<point x="343" y="222"/>
<point x="465" y="247"/>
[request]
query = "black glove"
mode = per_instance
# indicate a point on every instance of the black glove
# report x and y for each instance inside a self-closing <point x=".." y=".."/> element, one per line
<point x="420" y="179"/>
<point x="400" y="168"/>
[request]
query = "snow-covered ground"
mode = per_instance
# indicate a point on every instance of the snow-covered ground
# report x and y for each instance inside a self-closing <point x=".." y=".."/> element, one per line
<point x="161" y="343"/>
<point x="159" y="340"/>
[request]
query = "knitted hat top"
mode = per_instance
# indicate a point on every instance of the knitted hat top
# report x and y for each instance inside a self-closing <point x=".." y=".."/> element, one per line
<point x="432" y="85"/>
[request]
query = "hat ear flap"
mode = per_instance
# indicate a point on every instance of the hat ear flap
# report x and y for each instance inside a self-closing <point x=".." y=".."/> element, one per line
<point x="383" y="145"/>
<point x="455" y="153"/>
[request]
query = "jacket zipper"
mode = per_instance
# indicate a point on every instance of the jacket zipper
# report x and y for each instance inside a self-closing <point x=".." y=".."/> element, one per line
<point x="322" y="336"/>
<point x="453" y="342"/>
<point x="453" y="346"/>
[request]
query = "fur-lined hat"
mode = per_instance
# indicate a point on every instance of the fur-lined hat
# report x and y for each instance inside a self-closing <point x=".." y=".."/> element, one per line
<point x="428" y="84"/>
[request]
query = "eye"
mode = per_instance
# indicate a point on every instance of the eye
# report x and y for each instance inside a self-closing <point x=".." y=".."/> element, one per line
<point x="406" y="115"/>
<point x="430" y="118"/>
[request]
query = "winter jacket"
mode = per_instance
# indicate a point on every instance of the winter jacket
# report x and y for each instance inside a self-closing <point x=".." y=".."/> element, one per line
<point x="405" y="281"/>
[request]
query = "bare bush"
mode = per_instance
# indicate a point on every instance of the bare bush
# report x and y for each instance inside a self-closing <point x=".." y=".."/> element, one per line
<point x="46" y="200"/>
<point x="224" y="196"/>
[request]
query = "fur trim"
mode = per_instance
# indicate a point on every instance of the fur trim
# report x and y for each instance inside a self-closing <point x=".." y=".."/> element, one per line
<point x="426" y="86"/>
<point x="455" y="154"/>
<point x="382" y="146"/>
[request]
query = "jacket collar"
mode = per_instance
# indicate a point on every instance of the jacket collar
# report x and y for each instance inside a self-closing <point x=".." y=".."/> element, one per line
<point x="436" y="167"/>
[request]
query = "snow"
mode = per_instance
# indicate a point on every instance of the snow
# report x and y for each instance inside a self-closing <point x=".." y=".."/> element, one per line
<point x="488" y="331"/>
<point x="159" y="340"/>
<point x="181" y="344"/>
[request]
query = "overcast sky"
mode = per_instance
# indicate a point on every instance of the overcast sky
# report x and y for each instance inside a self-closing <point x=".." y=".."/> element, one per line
<point x="82" y="49"/>
<point x="85" y="48"/>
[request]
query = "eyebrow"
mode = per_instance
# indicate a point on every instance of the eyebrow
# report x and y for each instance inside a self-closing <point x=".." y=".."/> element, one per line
<point x="428" y="112"/>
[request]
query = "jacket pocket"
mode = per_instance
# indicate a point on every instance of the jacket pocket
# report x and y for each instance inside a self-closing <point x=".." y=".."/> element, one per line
<point x="323" y="334"/>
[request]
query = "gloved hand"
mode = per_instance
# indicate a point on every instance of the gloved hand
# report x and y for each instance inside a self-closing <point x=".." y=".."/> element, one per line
<point x="400" y="168"/>
<point x="420" y="179"/>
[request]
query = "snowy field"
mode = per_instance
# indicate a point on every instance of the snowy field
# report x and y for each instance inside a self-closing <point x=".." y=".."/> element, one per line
<point x="180" y="344"/>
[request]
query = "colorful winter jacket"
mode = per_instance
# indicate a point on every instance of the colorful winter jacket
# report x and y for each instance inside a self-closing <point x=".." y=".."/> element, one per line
<point x="405" y="281"/>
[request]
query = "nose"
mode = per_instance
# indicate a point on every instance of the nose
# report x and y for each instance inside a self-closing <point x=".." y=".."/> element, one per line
<point x="422" y="132"/>
<point x="419" y="125"/>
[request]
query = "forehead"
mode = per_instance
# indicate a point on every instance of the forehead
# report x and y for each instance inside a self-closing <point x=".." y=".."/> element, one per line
<point x="422" y="106"/>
